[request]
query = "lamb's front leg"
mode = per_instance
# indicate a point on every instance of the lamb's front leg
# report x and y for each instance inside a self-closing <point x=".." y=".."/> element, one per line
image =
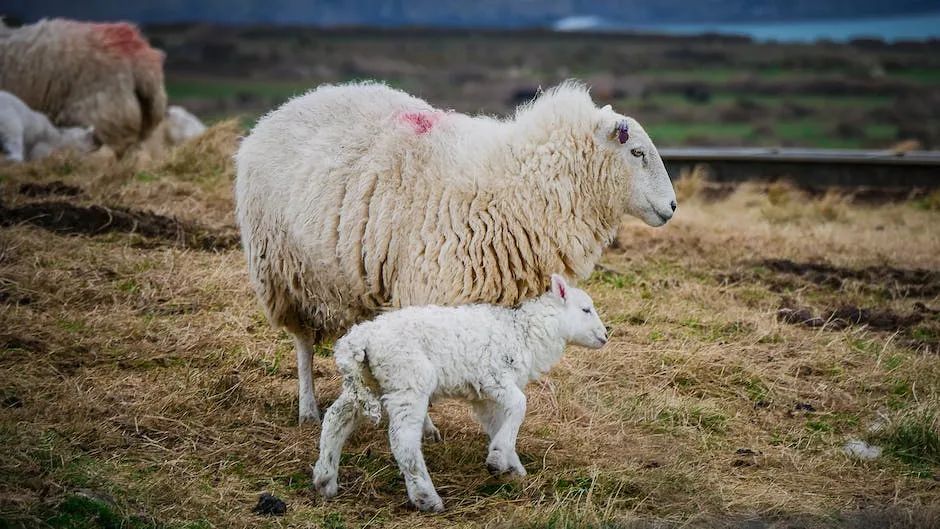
<point x="406" y="416"/>
<point x="506" y="416"/>
<point x="339" y="422"/>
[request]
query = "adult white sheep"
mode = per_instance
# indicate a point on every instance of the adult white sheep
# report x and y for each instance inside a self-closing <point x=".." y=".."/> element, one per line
<point x="86" y="74"/>
<point x="480" y="353"/>
<point x="356" y="198"/>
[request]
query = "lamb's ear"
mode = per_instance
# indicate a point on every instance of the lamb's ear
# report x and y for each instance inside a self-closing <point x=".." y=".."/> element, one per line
<point x="559" y="287"/>
<point x="607" y="107"/>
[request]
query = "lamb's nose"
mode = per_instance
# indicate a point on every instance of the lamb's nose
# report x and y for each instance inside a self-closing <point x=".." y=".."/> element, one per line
<point x="673" y="205"/>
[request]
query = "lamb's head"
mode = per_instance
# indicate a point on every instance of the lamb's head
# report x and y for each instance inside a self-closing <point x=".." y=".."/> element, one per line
<point x="81" y="139"/>
<point x="636" y="166"/>
<point x="579" y="322"/>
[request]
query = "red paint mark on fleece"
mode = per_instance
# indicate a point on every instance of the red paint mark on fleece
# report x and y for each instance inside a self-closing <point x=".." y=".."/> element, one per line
<point x="125" y="40"/>
<point x="421" y="122"/>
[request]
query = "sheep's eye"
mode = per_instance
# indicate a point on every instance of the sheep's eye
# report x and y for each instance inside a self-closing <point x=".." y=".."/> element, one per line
<point x="587" y="310"/>
<point x="637" y="152"/>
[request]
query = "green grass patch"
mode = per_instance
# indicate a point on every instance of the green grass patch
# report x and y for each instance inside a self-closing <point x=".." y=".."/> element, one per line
<point x="919" y="75"/>
<point x="694" y="416"/>
<point x="228" y="88"/>
<point x="914" y="438"/>
<point x="677" y="133"/>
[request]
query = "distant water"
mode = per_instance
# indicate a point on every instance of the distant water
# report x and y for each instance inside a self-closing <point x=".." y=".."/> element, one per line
<point x="919" y="27"/>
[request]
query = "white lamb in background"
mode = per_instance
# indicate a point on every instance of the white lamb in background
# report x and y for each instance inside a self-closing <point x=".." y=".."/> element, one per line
<point x="485" y="354"/>
<point x="29" y="135"/>
<point x="359" y="198"/>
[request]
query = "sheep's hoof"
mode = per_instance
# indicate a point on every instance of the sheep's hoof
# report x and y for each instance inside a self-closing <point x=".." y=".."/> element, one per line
<point x="309" y="416"/>
<point x="428" y="501"/>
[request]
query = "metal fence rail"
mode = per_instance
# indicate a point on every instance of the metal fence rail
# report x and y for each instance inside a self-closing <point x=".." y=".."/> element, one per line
<point x="811" y="167"/>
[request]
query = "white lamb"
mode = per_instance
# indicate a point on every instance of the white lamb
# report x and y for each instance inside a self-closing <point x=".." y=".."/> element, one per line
<point x="485" y="354"/>
<point x="29" y="135"/>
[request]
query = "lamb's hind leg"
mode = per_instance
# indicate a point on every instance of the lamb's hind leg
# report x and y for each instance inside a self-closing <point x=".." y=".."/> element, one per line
<point x="430" y="432"/>
<point x="406" y="415"/>
<point x="340" y="421"/>
<point x="307" y="404"/>
<point x="505" y="416"/>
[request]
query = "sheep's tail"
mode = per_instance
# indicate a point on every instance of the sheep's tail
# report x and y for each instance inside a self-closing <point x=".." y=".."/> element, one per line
<point x="351" y="359"/>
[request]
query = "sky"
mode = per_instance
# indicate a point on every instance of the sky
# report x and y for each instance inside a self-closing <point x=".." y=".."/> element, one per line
<point x="464" y="13"/>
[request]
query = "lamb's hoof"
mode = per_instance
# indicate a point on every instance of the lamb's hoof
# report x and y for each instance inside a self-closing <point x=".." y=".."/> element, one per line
<point x="433" y="435"/>
<point x="428" y="501"/>
<point x="502" y="466"/>
<point x="326" y="486"/>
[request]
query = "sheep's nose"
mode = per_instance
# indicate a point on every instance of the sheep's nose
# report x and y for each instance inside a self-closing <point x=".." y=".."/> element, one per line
<point x="673" y="205"/>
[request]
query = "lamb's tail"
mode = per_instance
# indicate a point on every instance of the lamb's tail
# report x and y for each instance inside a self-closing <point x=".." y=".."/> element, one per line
<point x="351" y="358"/>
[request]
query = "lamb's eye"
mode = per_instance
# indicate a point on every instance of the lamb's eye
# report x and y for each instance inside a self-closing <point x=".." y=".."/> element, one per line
<point x="637" y="152"/>
<point x="587" y="310"/>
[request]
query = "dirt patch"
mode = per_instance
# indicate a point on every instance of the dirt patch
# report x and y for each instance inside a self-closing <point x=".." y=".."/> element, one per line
<point x="63" y="217"/>
<point x="57" y="187"/>
<point x="12" y="341"/>
<point x="901" y="282"/>
<point x="847" y="316"/>
<point x="919" y="337"/>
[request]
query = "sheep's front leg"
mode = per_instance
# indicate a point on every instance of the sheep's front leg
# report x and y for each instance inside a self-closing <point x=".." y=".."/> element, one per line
<point x="406" y="416"/>
<point x="339" y="422"/>
<point x="307" y="412"/>
<point x="505" y="417"/>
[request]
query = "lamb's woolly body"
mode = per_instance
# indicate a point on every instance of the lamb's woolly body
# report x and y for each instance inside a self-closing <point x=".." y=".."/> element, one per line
<point x="484" y="354"/>
<point x="28" y="135"/>
<point x="356" y="198"/>
<point x="459" y="352"/>
<point x="84" y="74"/>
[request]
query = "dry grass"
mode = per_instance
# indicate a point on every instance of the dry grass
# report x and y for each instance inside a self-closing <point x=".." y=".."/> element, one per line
<point x="141" y="386"/>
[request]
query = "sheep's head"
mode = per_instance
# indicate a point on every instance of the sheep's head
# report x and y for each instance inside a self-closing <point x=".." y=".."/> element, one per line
<point x="647" y="190"/>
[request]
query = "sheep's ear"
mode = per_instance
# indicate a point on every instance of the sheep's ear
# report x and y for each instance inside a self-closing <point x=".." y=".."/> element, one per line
<point x="559" y="287"/>
<point x="607" y="107"/>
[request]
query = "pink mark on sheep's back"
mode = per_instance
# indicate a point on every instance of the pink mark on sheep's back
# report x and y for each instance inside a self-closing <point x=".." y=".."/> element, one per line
<point x="125" y="40"/>
<point x="421" y="122"/>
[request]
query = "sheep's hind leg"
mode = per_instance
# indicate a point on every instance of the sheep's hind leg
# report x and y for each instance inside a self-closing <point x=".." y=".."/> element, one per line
<point x="338" y="423"/>
<point x="307" y="403"/>
<point x="508" y="413"/>
<point x="406" y="415"/>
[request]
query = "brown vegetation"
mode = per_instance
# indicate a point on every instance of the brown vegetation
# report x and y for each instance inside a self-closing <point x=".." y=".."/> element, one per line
<point x="141" y="386"/>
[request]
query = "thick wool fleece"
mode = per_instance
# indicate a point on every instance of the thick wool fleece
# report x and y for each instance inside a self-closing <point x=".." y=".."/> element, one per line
<point x="357" y="198"/>
<point x="86" y="74"/>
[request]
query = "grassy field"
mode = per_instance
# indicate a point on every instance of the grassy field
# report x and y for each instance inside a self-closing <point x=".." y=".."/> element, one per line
<point x="754" y="335"/>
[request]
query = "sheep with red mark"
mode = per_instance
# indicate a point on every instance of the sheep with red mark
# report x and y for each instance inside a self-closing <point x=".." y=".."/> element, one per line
<point x="86" y="74"/>
<point x="357" y="198"/>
